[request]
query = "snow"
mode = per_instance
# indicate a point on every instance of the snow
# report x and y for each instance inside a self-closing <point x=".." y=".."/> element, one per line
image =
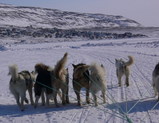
<point x="137" y="101"/>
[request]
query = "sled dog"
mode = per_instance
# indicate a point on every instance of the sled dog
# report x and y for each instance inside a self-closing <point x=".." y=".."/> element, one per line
<point x="43" y="83"/>
<point x="60" y="80"/>
<point x="155" y="80"/>
<point x="80" y="80"/>
<point x="19" y="84"/>
<point x="122" y="68"/>
<point x="97" y="81"/>
<point x="49" y="81"/>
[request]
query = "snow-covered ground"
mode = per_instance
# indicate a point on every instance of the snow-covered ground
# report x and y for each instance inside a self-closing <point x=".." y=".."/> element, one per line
<point x="135" y="103"/>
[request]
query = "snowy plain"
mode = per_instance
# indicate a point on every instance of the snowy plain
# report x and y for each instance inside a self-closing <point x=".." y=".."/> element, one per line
<point x="135" y="103"/>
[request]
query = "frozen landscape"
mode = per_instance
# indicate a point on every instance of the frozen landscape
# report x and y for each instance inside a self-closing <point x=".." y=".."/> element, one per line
<point x="50" y="18"/>
<point x="137" y="101"/>
<point x="133" y="104"/>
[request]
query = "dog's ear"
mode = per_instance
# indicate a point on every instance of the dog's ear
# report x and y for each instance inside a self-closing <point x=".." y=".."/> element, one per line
<point x="65" y="54"/>
<point x="74" y="66"/>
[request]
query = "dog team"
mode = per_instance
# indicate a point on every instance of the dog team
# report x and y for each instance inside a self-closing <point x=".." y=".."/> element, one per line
<point x="49" y="82"/>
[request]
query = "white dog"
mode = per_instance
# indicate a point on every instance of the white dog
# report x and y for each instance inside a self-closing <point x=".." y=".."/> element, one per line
<point x="122" y="68"/>
<point x="97" y="81"/>
<point x="19" y="84"/>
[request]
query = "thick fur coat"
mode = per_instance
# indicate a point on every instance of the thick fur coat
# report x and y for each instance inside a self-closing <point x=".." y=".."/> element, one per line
<point x="19" y="84"/>
<point x="50" y="81"/>
<point x="91" y="77"/>
<point x="43" y="83"/>
<point x="97" y="81"/>
<point x="60" y="79"/>
<point x="80" y="80"/>
<point x="122" y="68"/>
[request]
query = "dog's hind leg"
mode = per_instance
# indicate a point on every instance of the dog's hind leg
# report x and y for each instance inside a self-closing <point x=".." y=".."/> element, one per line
<point x="22" y="104"/>
<point x="67" y="86"/>
<point x="95" y="99"/>
<point x="67" y="97"/>
<point x="119" y="77"/>
<point x="31" y="95"/>
<point x="77" y="92"/>
<point x="127" y="73"/>
<point x="42" y="97"/>
<point x="55" y="97"/>
<point x="48" y="96"/>
<point x="103" y="95"/>
<point x="63" y="96"/>
<point x="23" y="97"/>
<point x="59" y="94"/>
<point x="87" y="96"/>
<point x="26" y="100"/>
<point x="127" y="80"/>
<point x="36" y="101"/>
<point x="119" y="80"/>
<point x="16" y="95"/>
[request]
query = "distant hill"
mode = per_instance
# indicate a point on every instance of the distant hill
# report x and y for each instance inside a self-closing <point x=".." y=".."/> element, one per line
<point x="51" y="18"/>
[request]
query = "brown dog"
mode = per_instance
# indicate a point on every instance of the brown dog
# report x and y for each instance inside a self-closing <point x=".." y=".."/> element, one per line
<point x="80" y="80"/>
<point x="60" y="79"/>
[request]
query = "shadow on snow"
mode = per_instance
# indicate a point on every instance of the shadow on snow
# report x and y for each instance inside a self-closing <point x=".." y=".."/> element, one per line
<point x="14" y="111"/>
<point x="134" y="106"/>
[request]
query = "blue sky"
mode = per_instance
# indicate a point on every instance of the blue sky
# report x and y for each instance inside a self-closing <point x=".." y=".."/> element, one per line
<point x="143" y="11"/>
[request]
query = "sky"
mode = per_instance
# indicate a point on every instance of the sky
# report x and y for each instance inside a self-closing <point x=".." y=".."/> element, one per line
<point x="143" y="11"/>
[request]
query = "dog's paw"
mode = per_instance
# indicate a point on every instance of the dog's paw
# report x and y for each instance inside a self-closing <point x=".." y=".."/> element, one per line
<point x="127" y="84"/>
<point x="68" y="102"/>
<point x="26" y="100"/>
<point x="79" y="104"/>
<point x="63" y="102"/>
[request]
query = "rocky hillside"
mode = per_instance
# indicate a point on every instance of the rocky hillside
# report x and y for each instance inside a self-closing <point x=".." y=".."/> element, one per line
<point x="51" y="18"/>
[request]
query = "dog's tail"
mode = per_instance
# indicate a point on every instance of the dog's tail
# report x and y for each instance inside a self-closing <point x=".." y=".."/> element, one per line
<point x="97" y="78"/>
<point x="130" y="62"/>
<point x="97" y="72"/>
<point x="59" y="67"/>
<point x="13" y="71"/>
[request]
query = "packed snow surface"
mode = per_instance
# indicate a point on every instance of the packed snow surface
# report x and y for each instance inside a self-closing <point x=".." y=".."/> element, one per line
<point x="135" y="103"/>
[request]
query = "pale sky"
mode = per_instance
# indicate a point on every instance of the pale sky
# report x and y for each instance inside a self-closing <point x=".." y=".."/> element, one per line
<point x="145" y="12"/>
